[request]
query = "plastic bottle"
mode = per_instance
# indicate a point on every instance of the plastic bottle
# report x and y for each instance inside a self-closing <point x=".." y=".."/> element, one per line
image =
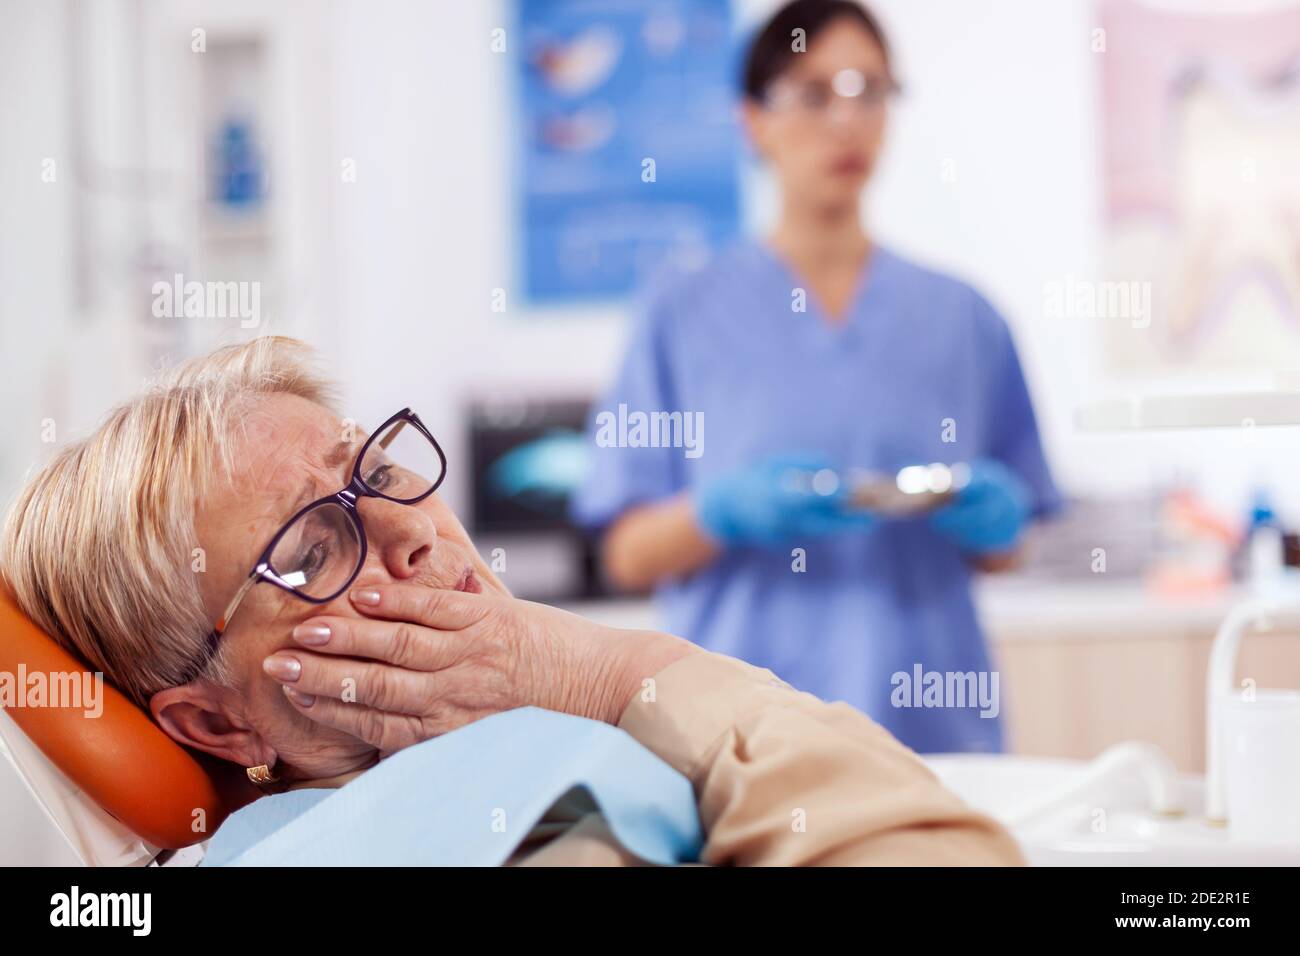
<point x="1266" y="563"/>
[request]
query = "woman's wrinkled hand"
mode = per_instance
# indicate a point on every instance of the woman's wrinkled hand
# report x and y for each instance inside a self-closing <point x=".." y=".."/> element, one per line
<point x="423" y="662"/>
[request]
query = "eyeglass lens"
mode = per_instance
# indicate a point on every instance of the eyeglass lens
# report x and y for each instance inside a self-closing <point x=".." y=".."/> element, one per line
<point x="401" y="463"/>
<point x="817" y="95"/>
<point x="320" y="552"/>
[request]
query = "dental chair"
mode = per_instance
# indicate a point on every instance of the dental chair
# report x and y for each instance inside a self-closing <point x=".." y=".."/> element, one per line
<point x="117" y="789"/>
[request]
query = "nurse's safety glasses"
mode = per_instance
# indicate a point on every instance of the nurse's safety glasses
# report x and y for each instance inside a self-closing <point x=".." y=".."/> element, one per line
<point x="319" y="552"/>
<point x="816" y="97"/>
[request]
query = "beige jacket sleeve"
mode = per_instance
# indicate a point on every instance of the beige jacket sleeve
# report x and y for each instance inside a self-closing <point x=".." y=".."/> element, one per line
<point x="783" y="778"/>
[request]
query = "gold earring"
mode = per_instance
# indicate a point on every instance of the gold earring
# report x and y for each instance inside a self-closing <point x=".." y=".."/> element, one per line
<point x="261" y="775"/>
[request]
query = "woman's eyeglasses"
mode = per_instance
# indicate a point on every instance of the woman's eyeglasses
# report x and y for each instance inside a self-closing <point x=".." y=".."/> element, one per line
<point x="816" y="97"/>
<point x="319" y="552"/>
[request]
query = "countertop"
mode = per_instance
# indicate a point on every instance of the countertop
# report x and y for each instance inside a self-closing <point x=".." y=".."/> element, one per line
<point x="1013" y="609"/>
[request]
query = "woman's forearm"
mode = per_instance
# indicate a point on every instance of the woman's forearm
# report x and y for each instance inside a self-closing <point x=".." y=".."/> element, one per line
<point x="656" y="541"/>
<point x="1000" y="562"/>
<point x="783" y="778"/>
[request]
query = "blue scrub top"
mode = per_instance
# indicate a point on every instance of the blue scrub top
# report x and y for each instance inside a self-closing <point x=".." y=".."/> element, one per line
<point x="920" y="358"/>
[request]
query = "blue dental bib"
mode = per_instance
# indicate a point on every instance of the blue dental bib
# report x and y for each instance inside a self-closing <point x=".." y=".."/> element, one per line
<point x="469" y="798"/>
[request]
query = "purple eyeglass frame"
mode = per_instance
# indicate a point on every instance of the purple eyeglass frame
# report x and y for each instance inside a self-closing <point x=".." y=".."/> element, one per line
<point x="346" y="497"/>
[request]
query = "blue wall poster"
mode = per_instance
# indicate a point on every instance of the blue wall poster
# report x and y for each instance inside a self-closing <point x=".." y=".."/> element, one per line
<point x="605" y="86"/>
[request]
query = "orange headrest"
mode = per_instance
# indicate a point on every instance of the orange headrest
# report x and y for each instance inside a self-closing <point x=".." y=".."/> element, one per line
<point x="121" y="759"/>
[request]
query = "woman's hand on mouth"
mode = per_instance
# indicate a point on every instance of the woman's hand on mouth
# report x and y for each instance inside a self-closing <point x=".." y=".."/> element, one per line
<point x="424" y="662"/>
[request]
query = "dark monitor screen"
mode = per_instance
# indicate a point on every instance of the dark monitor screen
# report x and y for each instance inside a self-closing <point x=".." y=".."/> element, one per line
<point x="527" y="456"/>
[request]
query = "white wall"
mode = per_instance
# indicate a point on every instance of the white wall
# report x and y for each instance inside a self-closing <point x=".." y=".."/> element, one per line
<point x="991" y="170"/>
<point x="35" y="302"/>
<point x="1003" y="89"/>
<point x="426" y="232"/>
<point x="1007" y="90"/>
<point x="398" y="268"/>
<point x="75" y="329"/>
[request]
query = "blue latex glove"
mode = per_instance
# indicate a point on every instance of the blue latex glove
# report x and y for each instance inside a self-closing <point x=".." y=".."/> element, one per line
<point x="774" y="503"/>
<point x="989" y="513"/>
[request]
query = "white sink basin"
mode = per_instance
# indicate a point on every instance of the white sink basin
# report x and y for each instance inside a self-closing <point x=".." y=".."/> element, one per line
<point x="1110" y="826"/>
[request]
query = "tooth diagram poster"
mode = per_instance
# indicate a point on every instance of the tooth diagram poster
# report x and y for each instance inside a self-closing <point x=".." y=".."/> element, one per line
<point x="1201" y="158"/>
<point x="628" y="149"/>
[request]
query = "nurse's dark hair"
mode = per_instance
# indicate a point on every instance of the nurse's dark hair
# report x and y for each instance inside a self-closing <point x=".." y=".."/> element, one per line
<point x="773" y="48"/>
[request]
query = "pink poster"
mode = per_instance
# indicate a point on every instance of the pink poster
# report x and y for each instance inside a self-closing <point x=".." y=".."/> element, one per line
<point x="1201" y="140"/>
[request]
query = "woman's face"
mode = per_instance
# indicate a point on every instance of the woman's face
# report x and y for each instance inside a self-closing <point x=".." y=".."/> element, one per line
<point x="823" y="157"/>
<point x="294" y="451"/>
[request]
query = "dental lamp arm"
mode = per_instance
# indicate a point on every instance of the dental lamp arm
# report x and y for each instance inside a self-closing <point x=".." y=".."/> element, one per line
<point x="1252" y="615"/>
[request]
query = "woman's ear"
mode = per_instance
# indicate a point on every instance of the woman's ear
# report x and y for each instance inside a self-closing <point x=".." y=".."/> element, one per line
<point x="753" y="120"/>
<point x="207" y="717"/>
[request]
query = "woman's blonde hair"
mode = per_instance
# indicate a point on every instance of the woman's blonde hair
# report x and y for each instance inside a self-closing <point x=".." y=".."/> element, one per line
<point x="99" y="547"/>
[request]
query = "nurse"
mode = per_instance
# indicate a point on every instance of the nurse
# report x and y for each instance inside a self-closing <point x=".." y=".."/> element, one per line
<point x="819" y="348"/>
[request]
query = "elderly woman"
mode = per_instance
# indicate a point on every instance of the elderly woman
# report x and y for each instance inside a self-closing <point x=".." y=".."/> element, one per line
<point x="285" y="591"/>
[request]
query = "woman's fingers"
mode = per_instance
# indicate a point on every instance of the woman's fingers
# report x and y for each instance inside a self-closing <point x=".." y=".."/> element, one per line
<point x="412" y="646"/>
<point x="350" y="680"/>
<point x="432" y="607"/>
<point x="384" y="731"/>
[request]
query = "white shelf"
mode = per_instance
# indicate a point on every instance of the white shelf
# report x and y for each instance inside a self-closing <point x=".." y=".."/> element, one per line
<point x="1213" y="410"/>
